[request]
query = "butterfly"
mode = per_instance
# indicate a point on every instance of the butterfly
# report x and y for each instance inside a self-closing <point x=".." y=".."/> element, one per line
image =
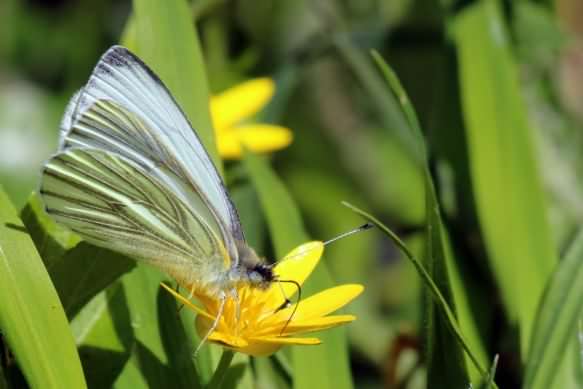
<point x="131" y="175"/>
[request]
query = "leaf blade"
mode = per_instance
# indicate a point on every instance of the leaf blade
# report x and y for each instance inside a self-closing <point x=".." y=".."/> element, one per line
<point x="509" y="196"/>
<point x="30" y="310"/>
<point x="557" y="319"/>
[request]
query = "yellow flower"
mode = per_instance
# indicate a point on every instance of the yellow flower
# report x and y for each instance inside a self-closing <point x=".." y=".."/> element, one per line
<point x="231" y="108"/>
<point x="262" y="327"/>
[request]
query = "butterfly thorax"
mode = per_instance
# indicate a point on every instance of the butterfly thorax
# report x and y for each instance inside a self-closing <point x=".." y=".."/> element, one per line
<point x="247" y="269"/>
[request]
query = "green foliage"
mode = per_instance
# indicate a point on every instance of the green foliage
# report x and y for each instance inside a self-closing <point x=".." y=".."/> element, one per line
<point x="32" y="319"/>
<point x="444" y="355"/>
<point x="507" y="185"/>
<point x="555" y="333"/>
<point x="468" y="162"/>
<point x="325" y="366"/>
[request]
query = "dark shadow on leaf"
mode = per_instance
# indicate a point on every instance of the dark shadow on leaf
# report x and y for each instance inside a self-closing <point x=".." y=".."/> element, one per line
<point x="176" y="343"/>
<point x="120" y="314"/>
<point x="16" y="227"/>
<point x="85" y="271"/>
<point x="234" y="375"/>
<point x="45" y="233"/>
<point x="101" y="366"/>
<point x="153" y="370"/>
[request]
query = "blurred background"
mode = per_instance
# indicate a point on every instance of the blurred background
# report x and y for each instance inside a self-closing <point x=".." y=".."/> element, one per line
<point x="351" y="141"/>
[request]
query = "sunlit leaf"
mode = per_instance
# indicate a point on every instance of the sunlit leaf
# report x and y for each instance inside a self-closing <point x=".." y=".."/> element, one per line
<point x="32" y="318"/>
<point x="555" y="327"/>
<point x="509" y="198"/>
<point x="78" y="270"/>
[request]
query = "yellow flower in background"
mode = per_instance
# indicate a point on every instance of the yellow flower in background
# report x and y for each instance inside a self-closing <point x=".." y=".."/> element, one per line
<point x="262" y="327"/>
<point x="230" y="110"/>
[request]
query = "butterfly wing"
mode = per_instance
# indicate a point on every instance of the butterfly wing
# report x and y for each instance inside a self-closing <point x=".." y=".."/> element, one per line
<point x="113" y="202"/>
<point x="125" y="109"/>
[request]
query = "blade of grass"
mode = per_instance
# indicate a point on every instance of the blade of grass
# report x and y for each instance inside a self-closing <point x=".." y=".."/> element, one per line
<point x="32" y="318"/>
<point x="489" y="384"/>
<point x="556" y="321"/>
<point x="427" y="280"/>
<point x="325" y="366"/>
<point x="509" y="197"/>
<point x="440" y="263"/>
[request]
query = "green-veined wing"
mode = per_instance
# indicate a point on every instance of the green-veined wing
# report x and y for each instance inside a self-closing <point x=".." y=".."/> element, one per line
<point x="111" y="201"/>
<point x="125" y="109"/>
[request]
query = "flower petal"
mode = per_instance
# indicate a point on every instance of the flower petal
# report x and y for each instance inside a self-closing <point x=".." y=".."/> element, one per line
<point x="264" y="346"/>
<point x="300" y="262"/>
<point x="286" y="340"/>
<point x="318" y="305"/>
<point x="240" y="102"/>
<point x="186" y="302"/>
<point x="229" y="145"/>
<point x="318" y="324"/>
<point x="233" y="342"/>
<point x="258" y="138"/>
<point x="295" y="266"/>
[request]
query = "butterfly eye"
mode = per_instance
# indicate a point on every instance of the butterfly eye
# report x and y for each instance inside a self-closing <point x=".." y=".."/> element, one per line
<point x="255" y="277"/>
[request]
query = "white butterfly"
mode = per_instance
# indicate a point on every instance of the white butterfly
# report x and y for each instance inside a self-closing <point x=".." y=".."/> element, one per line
<point x="131" y="175"/>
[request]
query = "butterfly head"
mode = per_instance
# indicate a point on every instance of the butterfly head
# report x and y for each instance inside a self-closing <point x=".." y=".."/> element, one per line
<point x="261" y="275"/>
<point x="258" y="273"/>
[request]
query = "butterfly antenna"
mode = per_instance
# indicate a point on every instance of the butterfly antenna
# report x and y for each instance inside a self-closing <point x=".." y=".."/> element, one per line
<point x="364" y="227"/>
<point x="287" y="301"/>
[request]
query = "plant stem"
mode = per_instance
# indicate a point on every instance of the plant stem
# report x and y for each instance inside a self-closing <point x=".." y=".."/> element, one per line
<point x="219" y="375"/>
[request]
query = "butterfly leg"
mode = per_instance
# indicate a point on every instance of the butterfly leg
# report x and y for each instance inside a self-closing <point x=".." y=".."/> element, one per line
<point x="287" y="302"/>
<point x="215" y="324"/>
<point x="235" y="297"/>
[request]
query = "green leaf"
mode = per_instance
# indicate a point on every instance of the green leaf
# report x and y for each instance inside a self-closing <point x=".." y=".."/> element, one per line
<point x="445" y="356"/>
<point x="166" y="40"/>
<point x="267" y="375"/>
<point x="556" y="321"/>
<point x="327" y="365"/>
<point x="104" y="336"/>
<point x="85" y="271"/>
<point x="162" y="352"/>
<point x="509" y="198"/>
<point x="31" y="316"/>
